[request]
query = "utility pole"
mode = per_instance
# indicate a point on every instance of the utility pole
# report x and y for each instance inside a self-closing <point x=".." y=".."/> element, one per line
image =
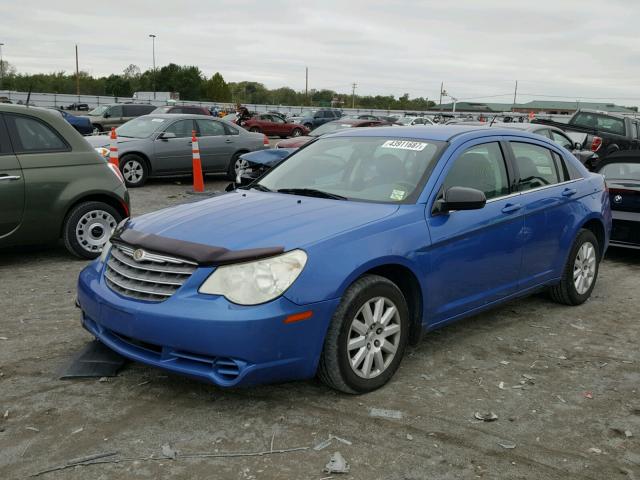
<point x="306" y="85"/>
<point x="515" y="94"/>
<point x="153" y="46"/>
<point x="441" y="90"/>
<point x="77" y="75"/>
<point x="353" y="95"/>
<point x="1" y="67"/>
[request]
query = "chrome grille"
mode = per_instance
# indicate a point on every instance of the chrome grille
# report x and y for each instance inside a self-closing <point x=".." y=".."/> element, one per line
<point x="153" y="278"/>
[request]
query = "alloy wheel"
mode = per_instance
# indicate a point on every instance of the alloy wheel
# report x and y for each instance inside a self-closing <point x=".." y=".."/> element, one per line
<point x="240" y="164"/>
<point x="584" y="268"/>
<point x="374" y="337"/>
<point x="132" y="171"/>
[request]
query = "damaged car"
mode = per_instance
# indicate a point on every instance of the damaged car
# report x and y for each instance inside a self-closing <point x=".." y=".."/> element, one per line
<point x="347" y="251"/>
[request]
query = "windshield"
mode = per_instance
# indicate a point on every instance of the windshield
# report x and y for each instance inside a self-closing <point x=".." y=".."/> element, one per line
<point x="328" y="128"/>
<point x="375" y="169"/>
<point x="141" y="127"/>
<point x="230" y="118"/>
<point x="621" y="171"/>
<point x="405" y="120"/>
<point x="98" y="111"/>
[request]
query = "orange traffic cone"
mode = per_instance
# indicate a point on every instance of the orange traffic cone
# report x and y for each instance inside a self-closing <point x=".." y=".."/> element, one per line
<point x="198" y="182"/>
<point x="113" y="148"/>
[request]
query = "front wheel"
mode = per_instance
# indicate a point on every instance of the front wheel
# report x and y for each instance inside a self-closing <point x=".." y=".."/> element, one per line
<point x="87" y="228"/>
<point x="366" y="338"/>
<point x="134" y="170"/>
<point x="296" y="132"/>
<point x="581" y="271"/>
<point x="235" y="166"/>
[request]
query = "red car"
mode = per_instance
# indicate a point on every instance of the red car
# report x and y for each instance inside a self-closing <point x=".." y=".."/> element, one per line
<point x="331" y="127"/>
<point x="274" y="125"/>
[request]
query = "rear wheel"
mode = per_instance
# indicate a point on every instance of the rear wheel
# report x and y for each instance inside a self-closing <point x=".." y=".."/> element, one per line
<point x="581" y="271"/>
<point x="296" y="132"/>
<point x="367" y="337"/>
<point x="254" y="130"/>
<point x="134" y="170"/>
<point x="88" y="226"/>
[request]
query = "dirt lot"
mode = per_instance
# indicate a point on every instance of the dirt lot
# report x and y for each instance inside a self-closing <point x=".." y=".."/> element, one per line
<point x="562" y="381"/>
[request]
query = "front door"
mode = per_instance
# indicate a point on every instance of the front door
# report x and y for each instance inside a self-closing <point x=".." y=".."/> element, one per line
<point x="11" y="185"/>
<point x="174" y="154"/>
<point x="216" y="147"/>
<point x="475" y="254"/>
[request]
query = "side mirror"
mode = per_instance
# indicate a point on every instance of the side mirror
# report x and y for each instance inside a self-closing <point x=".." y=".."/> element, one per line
<point x="577" y="146"/>
<point x="106" y="115"/>
<point x="166" y="135"/>
<point x="461" y="198"/>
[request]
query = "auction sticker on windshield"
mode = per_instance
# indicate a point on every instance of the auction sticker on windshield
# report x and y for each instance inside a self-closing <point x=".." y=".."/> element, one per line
<point x="158" y="120"/>
<point x="404" y="145"/>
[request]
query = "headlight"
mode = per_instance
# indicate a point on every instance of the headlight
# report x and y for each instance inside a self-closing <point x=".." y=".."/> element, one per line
<point x="256" y="282"/>
<point x="105" y="251"/>
<point x="103" y="152"/>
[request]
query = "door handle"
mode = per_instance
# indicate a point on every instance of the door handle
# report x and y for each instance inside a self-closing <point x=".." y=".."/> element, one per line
<point x="10" y="177"/>
<point x="228" y="141"/>
<point x="567" y="192"/>
<point x="511" y="207"/>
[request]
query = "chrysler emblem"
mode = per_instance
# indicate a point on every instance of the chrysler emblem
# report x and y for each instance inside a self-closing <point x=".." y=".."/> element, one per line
<point x="617" y="198"/>
<point x="139" y="255"/>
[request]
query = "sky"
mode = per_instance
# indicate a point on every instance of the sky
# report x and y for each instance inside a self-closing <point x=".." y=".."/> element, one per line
<point x="555" y="49"/>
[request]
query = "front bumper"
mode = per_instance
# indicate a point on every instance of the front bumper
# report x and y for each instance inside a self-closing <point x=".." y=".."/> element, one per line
<point x="206" y="337"/>
<point x="626" y="229"/>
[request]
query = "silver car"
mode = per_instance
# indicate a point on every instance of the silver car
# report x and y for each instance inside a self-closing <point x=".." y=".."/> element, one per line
<point x="160" y="145"/>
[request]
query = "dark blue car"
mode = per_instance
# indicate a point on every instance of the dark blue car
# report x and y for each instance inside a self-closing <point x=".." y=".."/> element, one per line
<point x="81" y="124"/>
<point x="347" y="251"/>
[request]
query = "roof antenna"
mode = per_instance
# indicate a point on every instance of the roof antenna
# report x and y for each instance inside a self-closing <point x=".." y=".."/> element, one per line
<point x="493" y="120"/>
<point x="29" y="94"/>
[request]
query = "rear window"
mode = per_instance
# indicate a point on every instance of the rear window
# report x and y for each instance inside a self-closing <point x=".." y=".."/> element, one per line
<point x="621" y="171"/>
<point x="601" y="122"/>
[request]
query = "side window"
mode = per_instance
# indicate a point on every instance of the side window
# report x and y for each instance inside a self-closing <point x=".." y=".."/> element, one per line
<point x="633" y="130"/>
<point x="116" y="111"/>
<point x="35" y="136"/>
<point x="561" y="166"/>
<point x="545" y="132"/>
<point x="5" y="146"/>
<point x="229" y="130"/>
<point x="481" y="167"/>
<point x="535" y="164"/>
<point x="561" y="140"/>
<point x="276" y="119"/>
<point x="611" y="124"/>
<point x="210" y="128"/>
<point x="181" y="128"/>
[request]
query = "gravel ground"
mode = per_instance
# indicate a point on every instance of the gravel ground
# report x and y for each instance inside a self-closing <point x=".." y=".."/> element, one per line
<point x="562" y="381"/>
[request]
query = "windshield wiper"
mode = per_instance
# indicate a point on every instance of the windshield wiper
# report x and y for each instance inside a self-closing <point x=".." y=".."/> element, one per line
<point x="311" y="192"/>
<point x="258" y="186"/>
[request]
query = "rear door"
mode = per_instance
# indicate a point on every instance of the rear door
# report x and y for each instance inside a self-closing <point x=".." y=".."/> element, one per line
<point x="216" y="147"/>
<point x="475" y="255"/>
<point x="548" y="196"/>
<point x="279" y="126"/>
<point x="11" y="185"/>
<point x="174" y="154"/>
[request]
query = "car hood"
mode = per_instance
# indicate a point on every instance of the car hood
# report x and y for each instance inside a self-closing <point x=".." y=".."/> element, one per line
<point x="295" y="142"/>
<point x="250" y="219"/>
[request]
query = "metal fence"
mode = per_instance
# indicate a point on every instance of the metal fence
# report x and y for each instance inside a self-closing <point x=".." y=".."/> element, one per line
<point x="57" y="100"/>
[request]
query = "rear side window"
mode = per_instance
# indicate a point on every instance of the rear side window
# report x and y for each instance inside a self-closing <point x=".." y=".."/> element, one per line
<point x="138" y="110"/>
<point x="116" y="111"/>
<point x="536" y="166"/>
<point x="229" y="130"/>
<point x="481" y="167"/>
<point x="210" y="128"/>
<point x="35" y="136"/>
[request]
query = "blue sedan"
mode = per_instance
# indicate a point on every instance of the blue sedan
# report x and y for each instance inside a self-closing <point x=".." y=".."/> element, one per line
<point x="344" y="253"/>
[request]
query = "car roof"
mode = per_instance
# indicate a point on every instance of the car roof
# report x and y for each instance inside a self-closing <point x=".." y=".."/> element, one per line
<point x="354" y="122"/>
<point x="432" y="132"/>
<point x="173" y="116"/>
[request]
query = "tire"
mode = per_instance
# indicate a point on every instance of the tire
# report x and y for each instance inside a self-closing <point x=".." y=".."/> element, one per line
<point x="296" y="132"/>
<point x="134" y="170"/>
<point x="97" y="128"/>
<point x="584" y="254"/>
<point x="309" y="126"/>
<point x="232" y="172"/>
<point x="335" y="368"/>
<point x="254" y="130"/>
<point x="88" y="226"/>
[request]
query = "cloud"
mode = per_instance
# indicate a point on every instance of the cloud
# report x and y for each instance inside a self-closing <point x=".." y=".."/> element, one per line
<point x="573" y="48"/>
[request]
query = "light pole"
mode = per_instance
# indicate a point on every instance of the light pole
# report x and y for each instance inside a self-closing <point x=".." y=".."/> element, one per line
<point x="1" y="67"/>
<point x="153" y="46"/>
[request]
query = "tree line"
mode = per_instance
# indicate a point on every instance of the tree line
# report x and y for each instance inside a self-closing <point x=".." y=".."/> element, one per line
<point x="192" y="84"/>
